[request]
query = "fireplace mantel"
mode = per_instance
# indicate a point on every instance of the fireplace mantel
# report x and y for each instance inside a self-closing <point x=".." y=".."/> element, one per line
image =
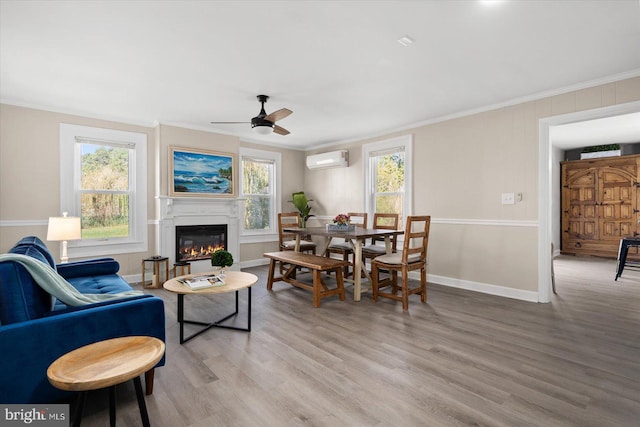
<point x="175" y="211"/>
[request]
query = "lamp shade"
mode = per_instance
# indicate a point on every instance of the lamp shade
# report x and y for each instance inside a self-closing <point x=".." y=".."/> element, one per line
<point x="64" y="228"/>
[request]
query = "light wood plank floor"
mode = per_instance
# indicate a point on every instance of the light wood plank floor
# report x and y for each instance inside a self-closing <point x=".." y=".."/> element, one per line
<point x="464" y="358"/>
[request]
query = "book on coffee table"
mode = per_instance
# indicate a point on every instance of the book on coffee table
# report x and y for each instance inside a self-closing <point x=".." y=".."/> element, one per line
<point x="202" y="282"/>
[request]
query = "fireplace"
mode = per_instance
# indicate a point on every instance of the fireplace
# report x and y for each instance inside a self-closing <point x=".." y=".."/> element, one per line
<point x="196" y="242"/>
<point x="195" y="211"/>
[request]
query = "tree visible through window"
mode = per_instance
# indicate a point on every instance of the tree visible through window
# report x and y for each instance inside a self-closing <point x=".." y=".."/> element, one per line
<point x="388" y="176"/>
<point x="257" y="188"/>
<point x="104" y="191"/>
<point x="103" y="180"/>
<point x="389" y="182"/>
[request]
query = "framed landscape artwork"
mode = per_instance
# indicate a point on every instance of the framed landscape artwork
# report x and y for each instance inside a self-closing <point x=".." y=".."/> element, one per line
<point x="200" y="173"/>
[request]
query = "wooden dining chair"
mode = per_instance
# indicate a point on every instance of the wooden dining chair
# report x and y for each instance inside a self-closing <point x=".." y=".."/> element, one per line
<point x="288" y="240"/>
<point x="359" y="219"/>
<point x="412" y="257"/>
<point x="381" y="221"/>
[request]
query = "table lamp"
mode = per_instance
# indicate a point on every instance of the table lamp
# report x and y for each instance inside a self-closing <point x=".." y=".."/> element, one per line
<point x="64" y="228"/>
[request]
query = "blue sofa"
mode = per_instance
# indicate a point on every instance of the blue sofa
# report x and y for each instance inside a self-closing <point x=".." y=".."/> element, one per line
<point x="36" y="329"/>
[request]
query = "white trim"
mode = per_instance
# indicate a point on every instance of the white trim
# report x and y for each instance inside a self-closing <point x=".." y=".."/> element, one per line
<point x="135" y="278"/>
<point x="485" y="288"/>
<point x="34" y="222"/>
<point x="219" y="131"/>
<point x="23" y="222"/>
<point x="545" y="182"/>
<point x="405" y="141"/>
<point x="464" y="113"/>
<point x="489" y="107"/>
<point x="259" y="238"/>
<point x="254" y="263"/>
<point x="255" y="238"/>
<point x="117" y="119"/>
<point x="489" y="222"/>
<point x="276" y="157"/>
<point x="69" y="184"/>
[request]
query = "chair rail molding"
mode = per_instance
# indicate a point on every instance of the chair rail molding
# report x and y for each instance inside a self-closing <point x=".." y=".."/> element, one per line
<point x="490" y="222"/>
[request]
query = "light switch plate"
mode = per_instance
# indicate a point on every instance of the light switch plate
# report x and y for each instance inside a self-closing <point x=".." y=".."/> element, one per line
<point x="508" y="199"/>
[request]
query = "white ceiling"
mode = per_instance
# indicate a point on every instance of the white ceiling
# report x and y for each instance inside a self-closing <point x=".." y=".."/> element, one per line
<point x="336" y="64"/>
<point x="622" y="129"/>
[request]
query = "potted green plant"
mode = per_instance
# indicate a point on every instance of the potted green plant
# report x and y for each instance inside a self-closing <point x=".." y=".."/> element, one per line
<point x="597" y="151"/>
<point x="301" y="203"/>
<point x="221" y="259"/>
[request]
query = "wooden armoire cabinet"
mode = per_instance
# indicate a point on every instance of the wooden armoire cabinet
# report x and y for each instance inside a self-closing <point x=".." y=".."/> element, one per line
<point x="599" y="204"/>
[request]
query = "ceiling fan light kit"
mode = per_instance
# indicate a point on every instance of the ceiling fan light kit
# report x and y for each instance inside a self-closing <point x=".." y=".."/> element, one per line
<point x="265" y="124"/>
<point x="262" y="128"/>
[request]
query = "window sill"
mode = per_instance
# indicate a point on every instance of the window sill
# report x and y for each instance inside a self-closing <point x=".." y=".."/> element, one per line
<point x="258" y="238"/>
<point x="106" y="249"/>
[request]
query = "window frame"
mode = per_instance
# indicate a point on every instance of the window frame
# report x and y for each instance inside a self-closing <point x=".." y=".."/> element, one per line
<point x="257" y="236"/>
<point x="70" y="191"/>
<point x="368" y="151"/>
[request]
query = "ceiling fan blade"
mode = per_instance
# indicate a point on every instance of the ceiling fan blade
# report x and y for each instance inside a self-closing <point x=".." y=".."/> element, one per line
<point x="278" y="115"/>
<point x="228" y="123"/>
<point x="280" y="130"/>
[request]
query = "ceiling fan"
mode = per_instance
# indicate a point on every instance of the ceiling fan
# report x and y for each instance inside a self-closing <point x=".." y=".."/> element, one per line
<point x="264" y="123"/>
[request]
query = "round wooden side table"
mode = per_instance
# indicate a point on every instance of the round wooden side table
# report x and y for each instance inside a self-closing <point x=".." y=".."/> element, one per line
<point x="105" y="364"/>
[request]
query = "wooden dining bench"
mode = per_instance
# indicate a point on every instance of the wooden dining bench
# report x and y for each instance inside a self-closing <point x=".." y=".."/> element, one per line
<point x="316" y="264"/>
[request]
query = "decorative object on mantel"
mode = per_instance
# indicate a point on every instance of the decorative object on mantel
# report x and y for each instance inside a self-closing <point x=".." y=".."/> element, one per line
<point x="200" y="173"/>
<point x="301" y="203"/>
<point x="598" y="151"/>
<point x="341" y="223"/>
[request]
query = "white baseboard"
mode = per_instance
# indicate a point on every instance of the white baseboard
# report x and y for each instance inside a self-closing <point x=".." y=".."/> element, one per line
<point x="133" y="278"/>
<point x="485" y="288"/>
<point x="254" y="263"/>
<point x="137" y="278"/>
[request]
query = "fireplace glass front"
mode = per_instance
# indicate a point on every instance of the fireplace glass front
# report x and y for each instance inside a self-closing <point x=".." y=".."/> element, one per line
<point x="195" y="242"/>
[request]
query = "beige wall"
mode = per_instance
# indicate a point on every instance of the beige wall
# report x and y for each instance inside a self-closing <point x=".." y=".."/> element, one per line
<point x="461" y="166"/>
<point x="188" y="138"/>
<point x="30" y="174"/>
<point x="337" y="190"/>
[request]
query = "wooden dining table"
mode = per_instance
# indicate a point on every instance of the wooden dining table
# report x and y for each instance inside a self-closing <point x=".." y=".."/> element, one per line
<point x="356" y="239"/>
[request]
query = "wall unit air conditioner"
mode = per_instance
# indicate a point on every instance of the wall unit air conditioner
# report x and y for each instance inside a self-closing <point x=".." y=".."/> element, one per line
<point x="332" y="159"/>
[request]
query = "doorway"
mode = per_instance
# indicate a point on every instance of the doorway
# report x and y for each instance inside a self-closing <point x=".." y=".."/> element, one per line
<point x="549" y="155"/>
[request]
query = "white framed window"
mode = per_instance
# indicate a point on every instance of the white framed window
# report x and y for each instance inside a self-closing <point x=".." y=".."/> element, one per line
<point x="388" y="176"/>
<point x="103" y="180"/>
<point x="260" y="189"/>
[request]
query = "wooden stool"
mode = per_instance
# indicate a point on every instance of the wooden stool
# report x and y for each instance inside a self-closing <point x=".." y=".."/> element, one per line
<point x="106" y="364"/>
<point x="185" y="268"/>
<point x="156" y="260"/>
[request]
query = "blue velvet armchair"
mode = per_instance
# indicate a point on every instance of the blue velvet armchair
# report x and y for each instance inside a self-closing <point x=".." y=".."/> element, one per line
<point x="36" y="329"/>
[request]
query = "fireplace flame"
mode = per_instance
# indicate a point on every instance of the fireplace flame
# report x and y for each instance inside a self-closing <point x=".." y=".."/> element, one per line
<point x="192" y="253"/>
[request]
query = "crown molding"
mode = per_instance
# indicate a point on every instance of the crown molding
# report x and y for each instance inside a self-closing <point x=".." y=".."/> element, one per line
<point x="490" y="107"/>
<point x="147" y="124"/>
<point x="515" y="101"/>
